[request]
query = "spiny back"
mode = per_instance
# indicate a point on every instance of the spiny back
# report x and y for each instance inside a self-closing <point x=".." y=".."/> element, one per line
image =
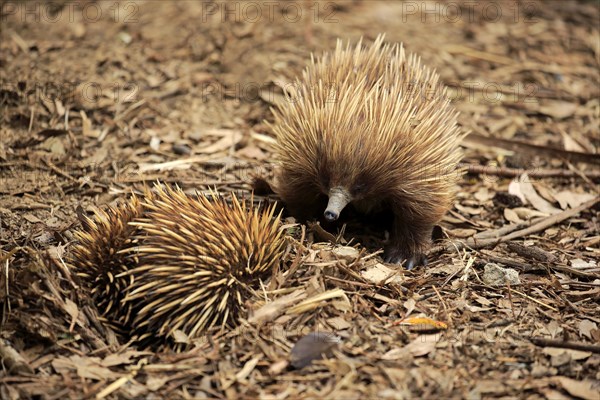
<point x="371" y="111"/>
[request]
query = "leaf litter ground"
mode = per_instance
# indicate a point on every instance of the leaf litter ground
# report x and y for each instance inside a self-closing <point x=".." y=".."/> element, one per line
<point x="97" y="104"/>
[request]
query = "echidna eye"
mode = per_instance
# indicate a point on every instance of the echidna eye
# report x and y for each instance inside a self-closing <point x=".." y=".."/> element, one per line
<point x="358" y="188"/>
<point x="325" y="179"/>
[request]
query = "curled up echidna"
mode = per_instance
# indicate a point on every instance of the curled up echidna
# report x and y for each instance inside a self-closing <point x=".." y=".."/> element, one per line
<point x="372" y="129"/>
<point x="97" y="259"/>
<point x="188" y="263"/>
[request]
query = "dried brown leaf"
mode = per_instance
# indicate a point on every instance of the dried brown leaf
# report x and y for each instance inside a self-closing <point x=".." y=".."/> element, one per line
<point x="533" y="197"/>
<point x="423" y="345"/>
<point x="311" y="347"/>
<point x="272" y="310"/>
<point x="586" y="327"/>
<point x="571" y="199"/>
<point x="558" y="109"/>
<point x="380" y="274"/>
<point x="587" y="390"/>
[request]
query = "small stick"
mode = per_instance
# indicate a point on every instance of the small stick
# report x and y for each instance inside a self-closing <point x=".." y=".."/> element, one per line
<point x="297" y="260"/>
<point x="523" y="147"/>
<point x="533" y="173"/>
<point x="512" y="305"/>
<point x="539" y="341"/>
<point x="532" y="299"/>
<point x="551" y="220"/>
<point x="528" y="267"/>
<point x="531" y="253"/>
<point x="350" y="282"/>
<point x="115" y="385"/>
<point x="446" y="314"/>
<point x="13" y="360"/>
<point x="504" y="230"/>
<point x="59" y="171"/>
<point x="536" y="227"/>
<point x="482" y="55"/>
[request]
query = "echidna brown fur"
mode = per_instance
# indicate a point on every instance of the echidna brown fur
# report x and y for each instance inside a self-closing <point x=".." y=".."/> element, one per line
<point x="370" y="128"/>
<point x="190" y="262"/>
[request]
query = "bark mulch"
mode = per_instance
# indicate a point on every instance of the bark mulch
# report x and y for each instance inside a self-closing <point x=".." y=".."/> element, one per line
<point x="101" y="98"/>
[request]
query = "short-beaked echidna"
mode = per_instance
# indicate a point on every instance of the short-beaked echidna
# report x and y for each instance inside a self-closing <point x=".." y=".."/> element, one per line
<point x="197" y="260"/>
<point x="99" y="263"/>
<point x="187" y="264"/>
<point x="371" y="128"/>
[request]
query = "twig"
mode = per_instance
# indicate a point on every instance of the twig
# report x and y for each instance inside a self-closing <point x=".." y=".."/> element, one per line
<point x="551" y="68"/>
<point x="506" y="229"/>
<point x="532" y="299"/>
<point x="116" y="385"/>
<point x="59" y="171"/>
<point x="540" y="341"/>
<point x="469" y="52"/>
<point x="468" y="266"/>
<point x="12" y="359"/>
<point x="587" y="179"/>
<point x="513" y="145"/>
<point x="533" y="173"/>
<point x="540" y="225"/>
<point x="349" y="282"/>
<point x="31" y="119"/>
<point x="446" y="314"/>
<point x="536" y="266"/>
<point x="19" y="41"/>
<point x="62" y="266"/>
<point x="6" y="309"/>
<point x="551" y="220"/>
<point x="510" y="262"/>
<point x="353" y="274"/>
<point x="546" y="93"/>
<point x="297" y="260"/>
<point x="512" y="304"/>
<point x="531" y="252"/>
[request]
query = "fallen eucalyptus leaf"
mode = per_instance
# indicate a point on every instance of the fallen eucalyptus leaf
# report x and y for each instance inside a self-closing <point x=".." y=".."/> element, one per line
<point x="313" y="346"/>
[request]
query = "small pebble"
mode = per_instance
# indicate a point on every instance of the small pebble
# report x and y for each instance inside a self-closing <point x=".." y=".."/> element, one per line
<point x="494" y="275"/>
<point x="182" y="149"/>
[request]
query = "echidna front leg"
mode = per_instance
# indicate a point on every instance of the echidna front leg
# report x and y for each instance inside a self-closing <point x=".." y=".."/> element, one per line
<point x="408" y="241"/>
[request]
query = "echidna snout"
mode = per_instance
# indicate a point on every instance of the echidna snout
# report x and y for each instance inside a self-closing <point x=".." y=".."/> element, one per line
<point x="339" y="197"/>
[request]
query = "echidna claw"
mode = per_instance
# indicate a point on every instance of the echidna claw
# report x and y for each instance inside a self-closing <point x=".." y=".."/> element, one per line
<point x="414" y="260"/>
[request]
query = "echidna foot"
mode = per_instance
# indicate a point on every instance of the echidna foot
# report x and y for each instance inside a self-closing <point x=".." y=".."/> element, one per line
<point x="397" y="256"/>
